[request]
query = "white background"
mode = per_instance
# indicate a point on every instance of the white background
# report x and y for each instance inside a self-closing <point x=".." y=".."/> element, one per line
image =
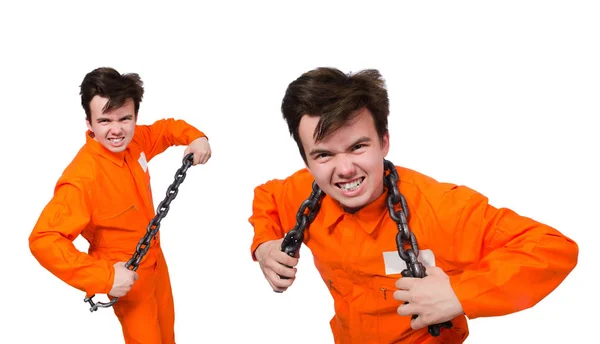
<point x="502" y="97"/>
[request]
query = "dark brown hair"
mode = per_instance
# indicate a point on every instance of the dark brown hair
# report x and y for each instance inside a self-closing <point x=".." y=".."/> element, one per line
<point x="336" y="98"/>
<point x="107" y="82"/>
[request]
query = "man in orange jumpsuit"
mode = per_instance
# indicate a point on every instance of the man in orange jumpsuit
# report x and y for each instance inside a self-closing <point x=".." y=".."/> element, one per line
<point x="478" y="260"/>
<point x="104" y="195"/>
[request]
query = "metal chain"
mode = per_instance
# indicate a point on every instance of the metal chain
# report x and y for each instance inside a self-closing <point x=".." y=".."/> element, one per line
<point x="293" y="239"/>
<point x="153" y="227"/>
<point x="405" y="236"/>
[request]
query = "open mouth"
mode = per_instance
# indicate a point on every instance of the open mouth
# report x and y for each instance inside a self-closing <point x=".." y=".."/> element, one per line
<point x="116" y="141"/>
<point x="351" y="185"/>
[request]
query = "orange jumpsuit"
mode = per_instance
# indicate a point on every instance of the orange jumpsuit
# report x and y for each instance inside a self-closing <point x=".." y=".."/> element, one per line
<point x="106" y="197"/>
<point x="498" y="262"/>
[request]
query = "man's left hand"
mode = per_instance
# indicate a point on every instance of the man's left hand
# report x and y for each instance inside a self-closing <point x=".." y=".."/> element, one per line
<point x="201" y="149"/>
<point x="431" y="298"/>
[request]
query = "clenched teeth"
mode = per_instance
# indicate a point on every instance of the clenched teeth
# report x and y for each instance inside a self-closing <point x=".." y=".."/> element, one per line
<point x="351" y="185"/>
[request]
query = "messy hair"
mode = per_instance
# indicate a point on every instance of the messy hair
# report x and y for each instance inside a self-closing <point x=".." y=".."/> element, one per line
<point x="336" y="98"/>
<point x="107" y="82"/>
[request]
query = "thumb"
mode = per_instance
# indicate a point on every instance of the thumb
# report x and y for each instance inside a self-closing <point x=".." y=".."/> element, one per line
<point x="187" y="151"/>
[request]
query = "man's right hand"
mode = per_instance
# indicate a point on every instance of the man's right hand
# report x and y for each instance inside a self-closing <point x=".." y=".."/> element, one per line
<point x="124" y="279"/>
<point x="273" y="263"/>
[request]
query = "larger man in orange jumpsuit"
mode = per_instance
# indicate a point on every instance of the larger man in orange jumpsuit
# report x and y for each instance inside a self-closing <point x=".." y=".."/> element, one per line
<point x="104" y="195"/>
<point x="479" y="260"/>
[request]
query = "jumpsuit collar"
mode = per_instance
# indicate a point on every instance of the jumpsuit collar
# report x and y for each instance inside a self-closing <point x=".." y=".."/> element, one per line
<point x="96" y="147"/>
<point x="368" y="218"/>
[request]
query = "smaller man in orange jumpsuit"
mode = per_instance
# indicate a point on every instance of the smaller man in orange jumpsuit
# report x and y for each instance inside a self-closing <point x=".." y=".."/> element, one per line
<point x="398" y="250"/>
<point x="105" y="196"/>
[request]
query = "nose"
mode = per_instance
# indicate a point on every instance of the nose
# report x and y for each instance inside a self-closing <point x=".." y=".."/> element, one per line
<point x="116" y="128"/>
<point x="345" y="167"/>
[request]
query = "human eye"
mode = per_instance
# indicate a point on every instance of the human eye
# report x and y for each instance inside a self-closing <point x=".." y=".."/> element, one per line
<point x="321" y="156"/>
<point x="359" y="146"/>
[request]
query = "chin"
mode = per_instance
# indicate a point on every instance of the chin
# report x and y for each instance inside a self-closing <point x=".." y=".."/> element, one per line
<point x="354" y="203"/>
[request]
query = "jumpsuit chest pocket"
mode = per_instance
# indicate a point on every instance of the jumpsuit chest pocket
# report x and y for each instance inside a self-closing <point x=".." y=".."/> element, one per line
<point x="118" y="213"/>
<point x="117" y="223"/>
<point x="116" y="231"/>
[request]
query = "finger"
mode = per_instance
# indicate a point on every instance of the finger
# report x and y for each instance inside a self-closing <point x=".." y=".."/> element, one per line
<point x="135" y="276"/>
<point x="434" y="271"/>
<point x="203" y="158"/>
<point x="283" y="270"/>
<point x="418" y="323"/>
<point x="405" y="283"/>
<point x="278" y="282"/>
<point x="402" y="295"/>
<point x="276" y="289"/>
<point x="283" y="258"/>
<point x="407" y="309"/>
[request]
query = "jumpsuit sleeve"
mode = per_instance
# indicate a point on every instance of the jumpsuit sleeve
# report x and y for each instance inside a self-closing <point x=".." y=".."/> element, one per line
<point x="165" y="133"/>
<point x="275" y="205"/>
<point x="507" y="262"/>
<point x="51" y="241"/>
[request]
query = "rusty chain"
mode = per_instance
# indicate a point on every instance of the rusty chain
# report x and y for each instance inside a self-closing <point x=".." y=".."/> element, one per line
<point x="153" y="227"/>
<point x="293" y="239"/>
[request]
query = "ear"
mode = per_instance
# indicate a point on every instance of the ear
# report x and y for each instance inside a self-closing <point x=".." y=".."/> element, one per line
<point x="307" y="167"/>
<point x="87" y="122"/>
<point x="385" y="144"/>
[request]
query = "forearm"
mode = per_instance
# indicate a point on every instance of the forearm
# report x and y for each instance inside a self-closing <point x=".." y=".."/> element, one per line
<point x="51" y="240"/>
<point x="517" y="274"/>
<point x="265" y="219"/>
<point x="169" y="132"/>
<point x="58" y="255"/>
<point x="275" y="205"/>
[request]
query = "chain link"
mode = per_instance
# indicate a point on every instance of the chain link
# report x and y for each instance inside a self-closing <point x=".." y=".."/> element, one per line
<point x="153" y="227"/>
<point x="405" y="236"/>
<point x="293" y="239"/>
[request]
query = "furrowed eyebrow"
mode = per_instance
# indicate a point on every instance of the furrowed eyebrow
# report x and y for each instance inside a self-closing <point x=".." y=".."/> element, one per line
<point x="363" y="139"/>
<point x="100" y="119"/>
<point x="318" y="151"/>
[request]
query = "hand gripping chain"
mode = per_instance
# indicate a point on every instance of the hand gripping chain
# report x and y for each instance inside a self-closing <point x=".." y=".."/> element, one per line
<point x="293" y="239"/>
<point x="152" y="229"/>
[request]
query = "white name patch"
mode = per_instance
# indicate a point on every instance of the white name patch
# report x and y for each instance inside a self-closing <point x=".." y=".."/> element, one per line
<point x="395" y="265"/>
<point x="143" y="162"/>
